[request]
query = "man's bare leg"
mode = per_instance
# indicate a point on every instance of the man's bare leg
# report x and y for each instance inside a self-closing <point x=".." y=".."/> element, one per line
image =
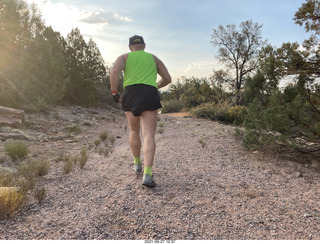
<point x="149" y="125"/>
<point x="134" y="137"/>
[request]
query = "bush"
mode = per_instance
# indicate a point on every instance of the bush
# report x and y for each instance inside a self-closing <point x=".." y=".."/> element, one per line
<point x="237" y="114"/>
<point x="16" y="149"/>
<point x="206" y="110"/>
<point x="214" y="111"/>
<point x="172" y="106"/>
<point x="39" y="106"/>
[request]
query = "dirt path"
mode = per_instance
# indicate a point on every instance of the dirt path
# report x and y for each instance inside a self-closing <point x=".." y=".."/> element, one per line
<point x="209" y="187"/>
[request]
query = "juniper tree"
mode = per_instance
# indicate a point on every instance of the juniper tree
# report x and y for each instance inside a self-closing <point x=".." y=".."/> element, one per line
<point x="238" y="50"/>
<point x="291" y="116"/>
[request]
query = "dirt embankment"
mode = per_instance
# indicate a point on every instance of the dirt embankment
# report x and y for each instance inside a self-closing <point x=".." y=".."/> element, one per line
<point x="209" y="187"/>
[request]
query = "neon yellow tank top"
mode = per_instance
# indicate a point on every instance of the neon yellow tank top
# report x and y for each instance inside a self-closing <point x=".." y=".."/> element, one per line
<point x="140" y="68"/>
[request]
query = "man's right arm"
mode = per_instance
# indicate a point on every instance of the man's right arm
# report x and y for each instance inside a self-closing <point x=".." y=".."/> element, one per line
<point x="118" y="65"/>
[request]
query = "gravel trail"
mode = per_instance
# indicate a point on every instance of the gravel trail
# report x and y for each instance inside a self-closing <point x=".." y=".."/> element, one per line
<point x="208" y="188"/>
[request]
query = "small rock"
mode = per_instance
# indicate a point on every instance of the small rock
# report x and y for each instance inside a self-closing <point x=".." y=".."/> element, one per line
<point x="307" y="215"/>
<point x="3" y="158"/>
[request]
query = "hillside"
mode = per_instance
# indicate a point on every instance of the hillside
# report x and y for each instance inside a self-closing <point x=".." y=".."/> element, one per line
<point x="208" y="185"/>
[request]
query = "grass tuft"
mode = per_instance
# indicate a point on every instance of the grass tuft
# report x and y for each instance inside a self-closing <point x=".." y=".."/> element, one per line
<point x="104" y="135"/>
<point x="97" y="142"/>
<point x="16" y="149"/>
<point x="40" y="194"/>
<point x="42" y="168"/>
<point x="75" y="129"/>
<point x="83" y="158"/>
<point x="68" y="166"/>
<point x="112" y="139"/>
<point x="202" y="141"/>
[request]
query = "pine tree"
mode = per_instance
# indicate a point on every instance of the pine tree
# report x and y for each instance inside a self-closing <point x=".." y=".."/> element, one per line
<point x="97" y="70"/>
<point x="15" y="37"/>
<point x="81" y="89"/>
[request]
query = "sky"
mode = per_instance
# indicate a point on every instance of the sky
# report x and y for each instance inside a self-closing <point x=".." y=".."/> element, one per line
<point x="176" y="31"/>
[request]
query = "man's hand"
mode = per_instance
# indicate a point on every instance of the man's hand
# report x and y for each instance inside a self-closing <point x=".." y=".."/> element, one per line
<point x="116" y="98"/>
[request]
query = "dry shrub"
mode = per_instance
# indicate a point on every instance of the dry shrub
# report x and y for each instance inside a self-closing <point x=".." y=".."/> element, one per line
<point x="10" y="200"/>
<point x="172" y="106"/>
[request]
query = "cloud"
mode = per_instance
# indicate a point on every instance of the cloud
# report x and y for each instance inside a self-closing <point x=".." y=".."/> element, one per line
<point x="119" y="17"/>
<point x="102" y="17"/>
<point x="195" y="66"/>
<point x="93" y="18"/>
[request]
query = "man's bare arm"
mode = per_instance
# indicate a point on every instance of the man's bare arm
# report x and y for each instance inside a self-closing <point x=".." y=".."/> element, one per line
<point x="118" y="65"/>
<point x="163" y="72"/>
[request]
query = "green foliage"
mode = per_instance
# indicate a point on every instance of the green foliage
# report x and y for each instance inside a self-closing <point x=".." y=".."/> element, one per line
<point x="16" y="149"/>
<point x="237" y="114"/>
<point x="290" y="117"/>
<point x="86" y="70"/>
<point x="196" y="92"/>
<point x="286" y="118"/>
<point x="309" y="16"/>
<point x="172" y="106"/>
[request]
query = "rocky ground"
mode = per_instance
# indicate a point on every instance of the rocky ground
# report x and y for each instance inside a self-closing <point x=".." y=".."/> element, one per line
<point x="209" y="187"/>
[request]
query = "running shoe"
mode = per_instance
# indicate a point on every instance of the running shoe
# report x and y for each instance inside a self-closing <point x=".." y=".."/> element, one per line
<point x="148" y="181"/>
<point x="138" y="168"/>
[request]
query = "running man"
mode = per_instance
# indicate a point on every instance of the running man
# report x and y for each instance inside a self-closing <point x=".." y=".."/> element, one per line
<point x="140" y="100"/>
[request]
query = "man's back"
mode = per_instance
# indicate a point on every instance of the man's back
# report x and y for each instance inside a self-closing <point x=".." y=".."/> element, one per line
<point x="140" y="68"/>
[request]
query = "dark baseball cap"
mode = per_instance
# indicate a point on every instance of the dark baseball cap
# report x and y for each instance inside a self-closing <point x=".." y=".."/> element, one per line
<point x="136" y="40"/>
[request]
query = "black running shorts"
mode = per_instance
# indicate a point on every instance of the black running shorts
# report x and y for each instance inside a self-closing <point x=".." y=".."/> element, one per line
<point x="138" y="98"/>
